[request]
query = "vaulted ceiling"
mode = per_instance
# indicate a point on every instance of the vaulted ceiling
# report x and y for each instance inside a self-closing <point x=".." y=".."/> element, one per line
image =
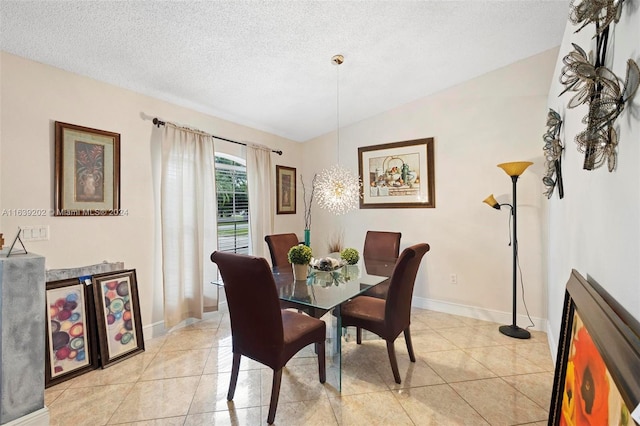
<point x="267" y="64"/>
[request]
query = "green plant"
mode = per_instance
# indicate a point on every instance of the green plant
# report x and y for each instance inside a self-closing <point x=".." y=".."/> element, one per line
<point x="300" y="254"/>
<point x="350" y="255"/>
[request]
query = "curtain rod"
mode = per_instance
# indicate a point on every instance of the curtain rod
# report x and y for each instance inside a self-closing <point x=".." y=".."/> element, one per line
<point x="159" y="123"/>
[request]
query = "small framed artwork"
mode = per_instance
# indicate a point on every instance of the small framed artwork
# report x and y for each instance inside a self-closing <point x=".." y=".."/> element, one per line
<point x="70" y="341"/>
<point x="285" y="190"/>
<point x="87" y="171"/>
<point x="117" y="316"/>
<point x="598" y="361"/>
<point x="397" y="175"/>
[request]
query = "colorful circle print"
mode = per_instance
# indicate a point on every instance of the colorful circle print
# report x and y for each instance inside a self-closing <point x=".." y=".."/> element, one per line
<point x="67" y="331"/>
<point x="118" y="311"/>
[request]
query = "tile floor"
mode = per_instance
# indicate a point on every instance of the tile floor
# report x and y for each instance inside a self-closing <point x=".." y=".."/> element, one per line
<point x="466" y="373"/>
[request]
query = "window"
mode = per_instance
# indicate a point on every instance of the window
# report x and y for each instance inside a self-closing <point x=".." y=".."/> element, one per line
<point x="233" y="204"/>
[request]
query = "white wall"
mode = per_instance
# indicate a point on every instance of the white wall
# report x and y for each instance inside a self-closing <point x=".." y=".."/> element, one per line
<point x="33" y="97"/>
<point x="498" y="117"/>
<point x="595" y="228"/>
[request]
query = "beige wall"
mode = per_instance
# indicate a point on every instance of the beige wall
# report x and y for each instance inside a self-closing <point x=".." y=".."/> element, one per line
<point x="495" y="118"/>
<point x="595" y="229"/>
<point x="33" y="97"/>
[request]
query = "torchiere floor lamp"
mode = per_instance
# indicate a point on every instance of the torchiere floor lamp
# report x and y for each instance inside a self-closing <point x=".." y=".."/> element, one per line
<point x="514" y="169"/>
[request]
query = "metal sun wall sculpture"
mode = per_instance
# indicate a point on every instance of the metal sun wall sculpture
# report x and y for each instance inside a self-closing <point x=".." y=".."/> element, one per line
<point x="596" y="85"/>
<point x="553" y="155"/>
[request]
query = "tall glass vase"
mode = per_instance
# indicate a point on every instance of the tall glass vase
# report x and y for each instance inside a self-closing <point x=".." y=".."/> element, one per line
<point x="307" y="237"/>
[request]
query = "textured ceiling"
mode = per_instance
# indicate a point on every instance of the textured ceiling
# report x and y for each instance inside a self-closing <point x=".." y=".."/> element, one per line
<point x="267" y="64"/>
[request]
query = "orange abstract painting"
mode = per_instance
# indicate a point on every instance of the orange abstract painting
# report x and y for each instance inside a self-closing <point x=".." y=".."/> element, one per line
<point x="590" y="396"/>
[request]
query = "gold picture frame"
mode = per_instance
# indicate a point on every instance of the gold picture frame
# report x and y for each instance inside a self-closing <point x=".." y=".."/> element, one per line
<point x="87" y="171"/>
<point x="285" y="190"/>
<point x="397" y="175"/>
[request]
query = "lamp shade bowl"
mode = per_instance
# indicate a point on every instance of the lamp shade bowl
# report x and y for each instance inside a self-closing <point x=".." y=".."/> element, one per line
<point x="515" y="168"/>
<point x="492" y="202"/>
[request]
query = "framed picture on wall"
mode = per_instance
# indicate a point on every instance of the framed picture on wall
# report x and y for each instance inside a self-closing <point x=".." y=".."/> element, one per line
<point x="397" y="175"/>
<point x="117" y="316"/>
<point x="285" y="190"/>
<point x="598" y="361"/>
<point x="87" y="171"/>
<point x="70" y="340"/>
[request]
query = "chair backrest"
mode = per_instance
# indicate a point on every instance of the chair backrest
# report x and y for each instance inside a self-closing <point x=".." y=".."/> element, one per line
<point x="398" y="305"/>
<point x="381" y="245"/>
<point x="279" y="245"/>
<point x="254" y="307"/>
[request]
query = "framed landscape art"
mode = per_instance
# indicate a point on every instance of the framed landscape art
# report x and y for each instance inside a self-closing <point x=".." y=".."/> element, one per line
<point x="397" y="175"/>
<point x="118" y="316"/>
<point x="87" y="171"/>
<point x="598" y="360"/>
<point x="70" y="342"/>
<point x="285" y="190"/>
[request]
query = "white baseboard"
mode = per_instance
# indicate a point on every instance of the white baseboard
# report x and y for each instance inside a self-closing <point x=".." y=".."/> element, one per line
<point x="553" y="344"/>
<point x="37" y="418"/>
<point x="157" y="329"/>
<point x="478" y="313"/>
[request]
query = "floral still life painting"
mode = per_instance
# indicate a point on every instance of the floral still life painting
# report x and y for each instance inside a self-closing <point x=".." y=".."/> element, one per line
<point x="87" y="171"/>
<point x="89" y="184"/>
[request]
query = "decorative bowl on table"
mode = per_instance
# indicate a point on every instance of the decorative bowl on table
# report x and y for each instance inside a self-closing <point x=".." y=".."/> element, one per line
<point x="326" y="264"/>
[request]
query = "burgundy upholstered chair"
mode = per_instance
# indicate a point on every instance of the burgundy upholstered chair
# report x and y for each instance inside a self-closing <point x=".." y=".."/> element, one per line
<point x="388" y="318"/>
<point x="279" y="245"/>
<point x="380" y="246"/>
<point x="260" y="330"/>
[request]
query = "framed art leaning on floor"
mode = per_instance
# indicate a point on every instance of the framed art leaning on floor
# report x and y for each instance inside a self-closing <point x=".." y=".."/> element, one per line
<point x="118" y="316"/>
<point x="597" y="371"/>
<point x="70" y="341"/>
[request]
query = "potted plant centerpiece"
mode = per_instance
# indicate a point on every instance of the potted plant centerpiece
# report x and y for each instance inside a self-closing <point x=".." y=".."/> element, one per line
<point x="351" y="256"/>
<point x="300" y="256"/>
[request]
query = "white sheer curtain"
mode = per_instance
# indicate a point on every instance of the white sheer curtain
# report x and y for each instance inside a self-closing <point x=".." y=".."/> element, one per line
<point x="188" y="222"/>
<point x="259" y="181"/>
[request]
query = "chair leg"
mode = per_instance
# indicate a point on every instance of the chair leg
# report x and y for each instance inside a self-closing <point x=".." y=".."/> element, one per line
<point x="235" y="368"/>
<point x="358" y="335"/>
<point x="322" y="365"/>
<point x="407" y="339"/>
<point x="394" y="362"/>
<point x="275" y="394"/>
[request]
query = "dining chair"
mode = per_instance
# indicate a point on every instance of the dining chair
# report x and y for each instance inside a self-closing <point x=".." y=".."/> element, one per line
<point x="388" y="318"/>
<point x="380" y="246"/>
<point x="279" y="245"/>
<point x="260" y="330"/>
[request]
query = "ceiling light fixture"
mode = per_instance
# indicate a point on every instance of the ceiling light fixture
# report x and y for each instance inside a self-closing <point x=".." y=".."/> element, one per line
<point x="338" y="188"/>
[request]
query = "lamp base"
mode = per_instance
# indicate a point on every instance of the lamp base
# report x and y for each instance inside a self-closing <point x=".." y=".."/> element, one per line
<point x="514" y="331"/>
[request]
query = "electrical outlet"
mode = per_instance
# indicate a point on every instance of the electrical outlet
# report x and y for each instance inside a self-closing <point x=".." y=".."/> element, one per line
<point x="453" y="279"/>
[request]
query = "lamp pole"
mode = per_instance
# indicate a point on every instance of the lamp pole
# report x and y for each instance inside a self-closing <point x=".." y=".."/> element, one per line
<point x="513" y="330"/>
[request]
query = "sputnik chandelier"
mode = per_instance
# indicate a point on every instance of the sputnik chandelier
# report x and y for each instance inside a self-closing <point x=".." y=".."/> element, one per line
<point x="338" y="189"/>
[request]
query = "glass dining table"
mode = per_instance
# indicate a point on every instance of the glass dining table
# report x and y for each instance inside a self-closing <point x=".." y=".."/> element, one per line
<point x="324" y="291"/>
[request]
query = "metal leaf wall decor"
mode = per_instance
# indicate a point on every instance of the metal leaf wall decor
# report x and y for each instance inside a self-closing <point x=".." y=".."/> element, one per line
<point x="596" y="85"/>
<point x="552" y="154"/>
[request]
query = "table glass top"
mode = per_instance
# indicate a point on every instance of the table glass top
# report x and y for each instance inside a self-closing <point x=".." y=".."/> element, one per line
<point x="326" y="290"/>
